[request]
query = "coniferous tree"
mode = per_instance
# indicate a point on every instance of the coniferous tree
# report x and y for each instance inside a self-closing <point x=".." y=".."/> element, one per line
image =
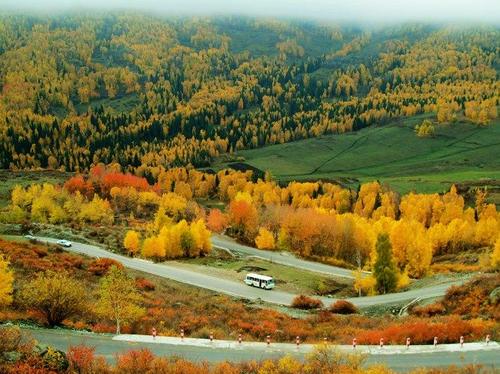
<point x="385" y="271"/>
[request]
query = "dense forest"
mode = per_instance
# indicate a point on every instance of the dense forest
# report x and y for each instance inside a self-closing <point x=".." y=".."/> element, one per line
<point x="150" y="93"/>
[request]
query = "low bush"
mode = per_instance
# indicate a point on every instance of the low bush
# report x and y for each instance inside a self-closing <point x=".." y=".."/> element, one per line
<point x="423" y="331"/>
<point x="306" y="302"/>
<point x="343" y="307"/>
<point x="429" y="310"/>
<point x="144" y="284"/>
<point x="102" y="265"/>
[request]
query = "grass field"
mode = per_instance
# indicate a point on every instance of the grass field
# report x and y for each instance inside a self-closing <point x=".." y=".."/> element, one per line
<point x="222" y="265"/>
<point x="392" y="154"/>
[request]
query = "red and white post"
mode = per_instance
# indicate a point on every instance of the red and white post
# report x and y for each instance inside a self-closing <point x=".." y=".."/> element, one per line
<point x="211" y="336"/>
<point x="153" y="332"/>
<point x="297" y="341"/>
<point x="487" y="339"/>
<point x="182" y="334"/>
<point x="268" y="340"/>
<point x="240" y="338"/>
<point x="381" y="343"/>
<point x="435" y="341"/>
<point x="354" y="343"/>
<point x="461" y="342"/>
<point x="408" y="341"/>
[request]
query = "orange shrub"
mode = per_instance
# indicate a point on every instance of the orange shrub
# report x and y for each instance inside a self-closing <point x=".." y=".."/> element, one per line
<point x="103" y="328"/>
<point x="421" y="331"/>
<point x="306" y="302"/>
<point x="101" y="266"/>
<point x="343" y="307"/>
<point x="429" y="310"/>
<point x="77" y="183"/>
<point x="144" y="284"/>
<point x="80" y="358"/>
<point x="135" y="361"/>
<point x="217" y="221"/>
<point x="472" y="298"/>
<point x="112" y="179"/>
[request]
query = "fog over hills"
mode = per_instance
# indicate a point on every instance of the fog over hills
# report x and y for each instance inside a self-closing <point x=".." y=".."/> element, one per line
<point x="352" y="10"/>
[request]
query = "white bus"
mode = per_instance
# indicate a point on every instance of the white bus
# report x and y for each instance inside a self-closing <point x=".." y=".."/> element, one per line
<point x="261" y="281"/>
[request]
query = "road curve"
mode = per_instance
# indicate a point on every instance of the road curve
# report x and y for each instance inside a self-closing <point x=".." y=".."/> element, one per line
<point x="239" y="289"/>
<point x="283" y="258"/>
<point x="105" y="345"/>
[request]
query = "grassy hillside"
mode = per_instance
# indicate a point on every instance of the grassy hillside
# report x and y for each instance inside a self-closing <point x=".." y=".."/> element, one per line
<point x="459" y="152"/>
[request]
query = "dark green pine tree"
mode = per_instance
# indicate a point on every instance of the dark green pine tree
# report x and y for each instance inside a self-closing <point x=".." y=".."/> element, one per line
<point x="385" y="271"/>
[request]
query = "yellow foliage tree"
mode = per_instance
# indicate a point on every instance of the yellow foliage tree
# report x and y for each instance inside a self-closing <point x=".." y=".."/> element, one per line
<point x="6" y="281"/>
<point x="412" y="249"/>
<point x="97" y="210"/>
<point x="201" y="236"/>
<point x="364" y="284"/>
<point x="119" y="299"/>
<point x="495" y="256"/>
<point x="153" y="247"/>
<point x="425" y="129"/>
<point x="265" y="239"/>
<point x="131" y="241"/>
<point x="56" y="295"/>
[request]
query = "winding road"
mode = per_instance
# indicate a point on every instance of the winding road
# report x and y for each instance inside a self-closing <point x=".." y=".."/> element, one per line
<point x="395" y="357"/>
<point x="241" y="290"/>
<point x="283" y="258"/>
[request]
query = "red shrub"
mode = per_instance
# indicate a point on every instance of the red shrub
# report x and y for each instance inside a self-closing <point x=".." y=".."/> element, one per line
<point x="71" y="261"/>
<point x="429" y="310"/>
<point x="137" y="361"/>
<point x="114" y="179"/>
<point x="102" y="265"/>
<point x="144" y="284"/>
<point x="422" y="331"/>
<point x="103" y="328"/>
<point x="343" y="307"/>
<point x="80" y="358"/>
<point x="217" y="221"/>
<point x="306" y="302"/>
<point x="77" y="183"/>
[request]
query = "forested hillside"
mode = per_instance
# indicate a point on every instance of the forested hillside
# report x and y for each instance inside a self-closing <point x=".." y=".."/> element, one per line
<point x="151" y="93"/>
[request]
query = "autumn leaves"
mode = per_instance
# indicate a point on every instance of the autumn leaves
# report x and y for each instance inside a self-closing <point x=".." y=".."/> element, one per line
<point x="58" y="296"/>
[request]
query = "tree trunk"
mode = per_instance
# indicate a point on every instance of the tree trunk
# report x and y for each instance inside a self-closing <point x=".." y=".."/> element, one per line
<point x="117" y="327"/>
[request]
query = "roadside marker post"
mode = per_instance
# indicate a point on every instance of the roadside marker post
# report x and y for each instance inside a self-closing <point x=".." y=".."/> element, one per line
<point x="297" y="341"/>
<point x="211" y="336"/>
<point x="487" y="339"/>
<point x="153" y="332"/>
<point x="461" y="342"/>
<point x="381" y="343"/>
<point x="435" y="341"/>
<point x="239" y="338"/>
<point x="268" y="340"/>
<point x="408" y="341"/>
<point x="354" y="343"/>
<point x="182" y="334"/>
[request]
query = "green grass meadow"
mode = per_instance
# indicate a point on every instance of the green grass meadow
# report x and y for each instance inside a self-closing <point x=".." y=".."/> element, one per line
<point x="459" y="152"/>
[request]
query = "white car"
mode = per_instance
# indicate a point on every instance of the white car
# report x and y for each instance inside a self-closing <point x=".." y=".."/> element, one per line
<point x="29" y="237"/>
<point x="64" y="243"/>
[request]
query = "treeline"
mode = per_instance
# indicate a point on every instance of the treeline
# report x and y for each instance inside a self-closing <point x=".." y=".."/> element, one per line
<point x="316" y="220"/>
<point x="151" y="93"/>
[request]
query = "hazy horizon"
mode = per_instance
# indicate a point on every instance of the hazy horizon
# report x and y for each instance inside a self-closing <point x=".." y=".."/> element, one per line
<point x="354" y="10"/>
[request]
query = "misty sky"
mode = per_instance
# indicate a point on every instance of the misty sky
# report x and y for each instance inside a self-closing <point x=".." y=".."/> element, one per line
<point x="352" y="10"/>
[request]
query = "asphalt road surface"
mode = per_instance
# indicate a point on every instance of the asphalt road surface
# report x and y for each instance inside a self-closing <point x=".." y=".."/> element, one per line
<point x="107" y="347"/>
<point x="239" y="289"/>
<point x="283" y="258"/>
